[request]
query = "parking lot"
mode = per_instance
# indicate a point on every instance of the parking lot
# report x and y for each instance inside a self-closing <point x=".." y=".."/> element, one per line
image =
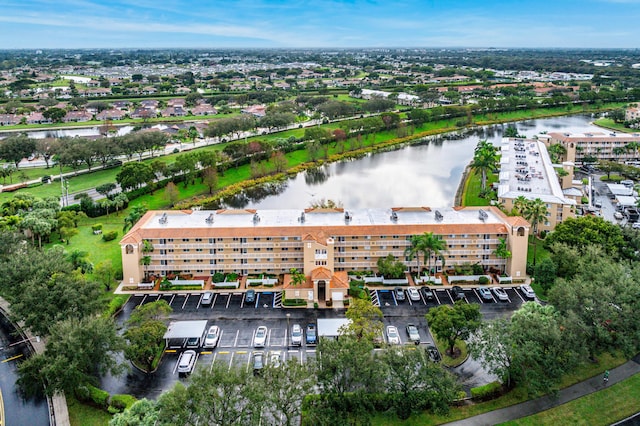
<point x="239" y="320"/>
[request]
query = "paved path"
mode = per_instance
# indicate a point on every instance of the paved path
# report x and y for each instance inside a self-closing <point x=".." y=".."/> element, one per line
<point x="534" y="406"/>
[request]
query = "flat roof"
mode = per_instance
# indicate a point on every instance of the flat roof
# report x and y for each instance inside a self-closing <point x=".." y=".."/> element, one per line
<point x="619" y="189"/>
<point x="185" y="329"/>
<point x="329" y="327"/>
<point x="317" y="218"/>
<point x="610" y="136"/>
<point x="526" y="170"/>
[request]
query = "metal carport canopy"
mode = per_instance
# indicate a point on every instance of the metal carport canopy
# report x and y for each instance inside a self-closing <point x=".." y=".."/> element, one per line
<point x="185" y="329"/>
<point x="329" y="327"/>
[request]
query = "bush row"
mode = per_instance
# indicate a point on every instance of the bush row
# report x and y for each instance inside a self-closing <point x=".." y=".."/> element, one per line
<point x="101" y="399"/>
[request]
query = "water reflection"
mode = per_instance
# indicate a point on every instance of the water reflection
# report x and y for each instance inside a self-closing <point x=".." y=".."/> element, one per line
<point x="426" y="173"/>
<point x="18" y="410"/>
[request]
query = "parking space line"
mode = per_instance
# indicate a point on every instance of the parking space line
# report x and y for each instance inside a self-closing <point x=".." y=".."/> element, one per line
<point x="518" y="293"/>
<point x="393" y="294"/>
<point x="173" y="296"/>
<point x="185" y="301"/>
<point x="231" y="361"/>
<point x="249" y="362"/>
<point x="228" y="300"/>
<point x="478" y="296"/>
<point x="235" y="342"/>
<point x="215" y="297"/>
<point x="450" y="297"/>
<point x="143" y="299"/>
<point x="435" y="294"/>
<point x="213" y="362"/>
<point x="199" y="301"/>
<point x="269" y="338"/>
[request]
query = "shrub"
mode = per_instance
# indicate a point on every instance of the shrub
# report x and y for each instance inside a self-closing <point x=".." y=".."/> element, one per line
<point x="82" y="393"/>
<point x="110" y="236"/>
<point x="116" y="303"/>
<point x="483" y="280"/>
<point x="218" y="277"/>
<point x="98" y="396"/>
<point x="96" y="227"/>
<point x="294" y="302"/>
<point x="477" y="269"/>
<point x="487" y="391"/>
<point x="120" y="402"/>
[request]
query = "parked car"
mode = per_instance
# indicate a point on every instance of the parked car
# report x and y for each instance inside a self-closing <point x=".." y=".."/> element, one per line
<point x="399" y="293"/>
<point x="485" y="293"/>
<point x="618" y="215"/>
<point x="212" y="336"/>
<point x="258" y="362"/>
<point x="312" y="338"/>
<point x="636" y="225"/>
<point x="500" y="293"/>
<point x="457" y="292"/>
<point x="434" y="354"/>
<point x="260" y="339"/>
<point x="275" y="358"/>
<point x="427" y="293"/>
<point x="207" y="298"/>
<point x="527" y="291"/>
<point x="186" y="361"/>
<point x="413" y="333"/>
<point x="192" y="342"/>
<point x="296" y="335"/>
<point x="250" y="296"/>
<point x="413" y="293"/>
<point x="393" y="337"/>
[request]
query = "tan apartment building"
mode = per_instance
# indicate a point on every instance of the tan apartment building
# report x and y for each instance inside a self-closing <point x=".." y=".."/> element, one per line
<point x="599" y="145"/>
<point x="526" y="170"/>
<point x="324" y="244"/>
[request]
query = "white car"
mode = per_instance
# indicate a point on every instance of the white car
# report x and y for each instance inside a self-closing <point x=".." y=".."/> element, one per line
<point x="413" y="293"/>
<point x="260" y="339"/>
<point x="618" y="215"/>
<point x="393" y="337"/>
<point x="527" y="291"/>
<point x="186" y="362"/>
<point x="296" y="335"/>
<point x="636" y="225"/>
<point x="212" y="336"/>
<point x="500" y="293"/>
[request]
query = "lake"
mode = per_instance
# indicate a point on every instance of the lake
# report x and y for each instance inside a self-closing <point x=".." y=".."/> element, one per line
<point x="423" y="174"/>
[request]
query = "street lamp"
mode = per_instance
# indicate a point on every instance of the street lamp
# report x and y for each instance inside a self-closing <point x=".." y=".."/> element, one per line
<point x="288" y="327"/>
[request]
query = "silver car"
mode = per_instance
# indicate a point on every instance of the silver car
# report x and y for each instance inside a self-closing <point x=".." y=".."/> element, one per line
<point x="186" y="362"/>
<point x="296" y="335"/>
<point x="212" y="336"/>
<point x="393" y="337"/>
<point x="413" y="333"/>
<point x="527" y="291"/>
<point x="260" y="339"/>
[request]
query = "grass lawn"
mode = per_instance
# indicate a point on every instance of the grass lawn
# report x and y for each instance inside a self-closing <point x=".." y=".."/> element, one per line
<point x="585" y="371"/>
<point x="610" y="124"/>
<point x="447" y="360"/>
<point x="472" y="187"/>
<point x="614" y="403"/>
<point x="86" y="415"/>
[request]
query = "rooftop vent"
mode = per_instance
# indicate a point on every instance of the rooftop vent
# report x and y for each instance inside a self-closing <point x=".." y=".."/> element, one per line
<point x="482" y="215"/>
<point x="439" y="216"/>
<point x="394" y="216"/>
<point x="209" y="220"/>
<point x="347" y="217"/>
<point x="256" y="218"/>
<point x="301" y="218"/>
<point x="163" y="218"/>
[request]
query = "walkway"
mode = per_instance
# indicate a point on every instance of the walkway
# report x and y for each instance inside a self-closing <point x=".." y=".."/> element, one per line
<point x="534" y="406"/>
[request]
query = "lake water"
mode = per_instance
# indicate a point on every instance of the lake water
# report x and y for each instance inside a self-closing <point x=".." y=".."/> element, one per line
<point x="423" y="174"/>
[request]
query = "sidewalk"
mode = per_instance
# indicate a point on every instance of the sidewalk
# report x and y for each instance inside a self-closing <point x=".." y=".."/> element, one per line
<point x="534" y="406"/>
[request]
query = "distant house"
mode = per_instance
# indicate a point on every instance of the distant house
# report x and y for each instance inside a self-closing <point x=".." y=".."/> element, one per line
<point x="97" y="92"/>
<point x="111" y="114"/>
<point x="143" y="113"/>
<point x="78" y="116"/>
<point x="174" y="112"/>
<point x="37" y="118"/>
<point x="632" y="114"/>
<point x="121" y="105"/>
<point x="149" y="103"/>
<point x="255" y="110"/>
<point x="9" y="119"/>
<point x="149" y="90"/>
<point x="203" y="109"/>
<point x="177" y="102"/>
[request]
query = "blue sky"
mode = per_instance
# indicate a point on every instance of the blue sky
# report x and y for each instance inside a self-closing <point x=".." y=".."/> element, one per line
<point x="312" y="23"/>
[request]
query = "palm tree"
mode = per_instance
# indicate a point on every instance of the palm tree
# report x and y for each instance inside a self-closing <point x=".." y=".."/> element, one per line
<point x="431" y="245"/>
<point x="520" y="203"/>
<point x="535" y="212"/>
<point x="414" y="250"/>
<point x="485" y="159"/>
<point x="502" y="252"/>
<point x="297" y="277"/>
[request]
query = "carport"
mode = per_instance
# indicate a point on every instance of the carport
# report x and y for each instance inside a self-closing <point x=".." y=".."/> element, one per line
<point x="330" y="327"/>
<point x="179" y="331"/>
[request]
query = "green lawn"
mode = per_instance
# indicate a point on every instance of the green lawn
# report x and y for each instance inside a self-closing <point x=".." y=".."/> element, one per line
<point x="614" y="403"/>
<point x="86" y="415"/>
<point x="472" y="187"/>
<point x="610" y="124"/>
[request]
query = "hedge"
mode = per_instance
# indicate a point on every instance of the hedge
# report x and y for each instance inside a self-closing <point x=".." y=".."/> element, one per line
<point x="98" y="396"/>
<point x="110" y="236"/>
<point x="294" y="302"/>
<point x="487" y="391"/>
<point x="119" y="402"/>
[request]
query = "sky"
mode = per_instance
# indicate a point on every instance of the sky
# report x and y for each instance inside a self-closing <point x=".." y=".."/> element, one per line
<point x="319" y="23"/>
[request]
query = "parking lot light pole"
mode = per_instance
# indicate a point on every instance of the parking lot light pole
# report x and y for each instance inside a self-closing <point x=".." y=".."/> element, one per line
<point x="288" y="329"/>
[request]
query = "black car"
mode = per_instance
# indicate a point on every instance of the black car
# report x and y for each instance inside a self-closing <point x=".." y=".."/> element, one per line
<point x="250" y="296"/>
<point x="457" y="292"/>
<point x="433" y="353"/>
<point x="427" y="293"/>
<point x="399" y="293"/>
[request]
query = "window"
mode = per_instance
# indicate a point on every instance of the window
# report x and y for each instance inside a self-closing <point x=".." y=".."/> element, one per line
<point x="129" y="249"/>
<point x="198" y="240"/>
<point x="185" y="240"/>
